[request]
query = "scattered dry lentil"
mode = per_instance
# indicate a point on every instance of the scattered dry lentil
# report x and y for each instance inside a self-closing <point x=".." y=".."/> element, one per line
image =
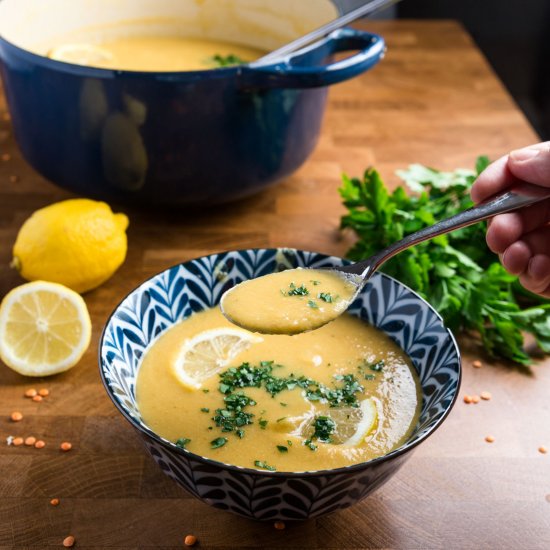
<point x="475" y="399"/>
<point x="5" y="157"/>
<point x="280" y="525"/>
<point x="485" y="395"/>
<point x="54" y="501"/>
<point x="30" y="440"/>
<point x="40" y="444"/>
<point x="477" y="364"/>
<point x="16" y="416"/>
<point x="489" y="439"/>
<point x="31" y="392"/>
<point x="68" y="542"/>
<point x="37" y="398"/>
<point x="17" y="441"/>
<point x="66" y="446"/>
<point x="13" y="179"/>
<point x="43" y="392"/>
<point x="542" y="449"/>
<point x="467" y="399"/>
<point x="190" y="540"/>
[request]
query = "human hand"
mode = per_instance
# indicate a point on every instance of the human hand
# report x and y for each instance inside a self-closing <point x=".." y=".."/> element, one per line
<point x="520" y="238"/>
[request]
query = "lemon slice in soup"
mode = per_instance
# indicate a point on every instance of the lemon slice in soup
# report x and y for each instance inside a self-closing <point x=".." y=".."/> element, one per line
<point x="82" y="54"/>
<point x="351" y="424"/>
<point x="208" y="353"/>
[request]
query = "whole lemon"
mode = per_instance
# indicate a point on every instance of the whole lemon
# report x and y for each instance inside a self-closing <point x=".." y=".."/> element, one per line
<point x="78" y="243"/>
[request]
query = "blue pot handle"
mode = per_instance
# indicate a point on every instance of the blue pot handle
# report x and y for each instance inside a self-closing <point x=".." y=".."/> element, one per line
<point x="297" y="70"/>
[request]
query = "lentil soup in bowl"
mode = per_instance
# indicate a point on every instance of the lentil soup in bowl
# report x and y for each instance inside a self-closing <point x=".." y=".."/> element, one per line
<point x="277" y="427"/>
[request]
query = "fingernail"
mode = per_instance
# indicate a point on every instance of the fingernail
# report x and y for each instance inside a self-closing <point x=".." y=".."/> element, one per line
<point x="522" y="155"/>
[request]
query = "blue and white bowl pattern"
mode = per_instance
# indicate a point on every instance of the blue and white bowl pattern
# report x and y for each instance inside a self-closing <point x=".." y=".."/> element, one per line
<point x="176" y="293"/>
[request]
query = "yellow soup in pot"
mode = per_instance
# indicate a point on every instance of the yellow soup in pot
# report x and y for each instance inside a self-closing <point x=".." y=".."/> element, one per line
<point x="332" y="397"/>
<point x="156" y="53"/>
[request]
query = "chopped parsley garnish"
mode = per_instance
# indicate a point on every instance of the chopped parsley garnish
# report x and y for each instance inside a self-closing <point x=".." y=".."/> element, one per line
<point x="248" y="376"/>
<point x="323" y="427"/>
<point x="182" y="442"/>
<point x="205" y="410"/>
<point x="289" y="442"/>
<point x="378" y="366"/>
<point x="310" y="444"/>
<point x="338" y="396"/>
<point x="228" y="60"/>
<point x="233" y="416"/>
<point x="325" y="296"/>
<point x="218" y="442"/>
<point x="281" y="419"/>
<point x="315" y="283"/>
<point x="245" y="376"/>
<point x="370" y="376"/>
<point x="205" y="390"/>
<point x="297" y="290"/>
<point x="282" y="449"/>
<point x="312" y="304"/>
<point x="264" y="465"/>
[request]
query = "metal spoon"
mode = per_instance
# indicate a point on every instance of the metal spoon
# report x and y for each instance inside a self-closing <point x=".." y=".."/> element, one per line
<point x="519" y="196"/>
<point x="356" y="275"/>
<point x="362" y="11"/>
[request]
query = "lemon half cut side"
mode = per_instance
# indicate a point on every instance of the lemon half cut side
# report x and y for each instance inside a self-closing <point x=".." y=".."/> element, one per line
<point x="45" y="328"/>
<point x="209" y="352"/>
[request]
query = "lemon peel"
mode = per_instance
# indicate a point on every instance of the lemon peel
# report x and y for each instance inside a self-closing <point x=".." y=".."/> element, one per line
<point x="78" y="243"/>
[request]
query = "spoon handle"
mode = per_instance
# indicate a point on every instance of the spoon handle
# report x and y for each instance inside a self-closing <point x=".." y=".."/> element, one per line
<point x="519" y="196"/>
<point x="362" y="11"/>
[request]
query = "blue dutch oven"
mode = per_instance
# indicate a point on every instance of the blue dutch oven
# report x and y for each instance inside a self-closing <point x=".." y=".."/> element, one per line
<point x="196" y="137"/>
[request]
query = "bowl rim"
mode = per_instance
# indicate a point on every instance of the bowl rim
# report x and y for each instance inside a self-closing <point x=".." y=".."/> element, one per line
<point x="398" y="452"/>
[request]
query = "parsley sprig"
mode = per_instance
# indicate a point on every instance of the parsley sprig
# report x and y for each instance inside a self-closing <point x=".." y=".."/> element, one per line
<point x="228" y="60"/>
<point x="456" y="272"/>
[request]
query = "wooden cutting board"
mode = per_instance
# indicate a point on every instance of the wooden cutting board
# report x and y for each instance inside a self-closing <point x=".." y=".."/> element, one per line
<point x="433" y="100"/>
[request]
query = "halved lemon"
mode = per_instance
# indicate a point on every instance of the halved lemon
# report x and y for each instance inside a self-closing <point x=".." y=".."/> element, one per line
<point x="45" y="328"/>
<point x="353" y="424"/>
<point x="81" y="54"/>
<point x="209" y="352"/>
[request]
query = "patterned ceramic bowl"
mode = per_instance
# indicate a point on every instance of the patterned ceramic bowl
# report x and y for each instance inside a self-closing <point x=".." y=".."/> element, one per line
<point x="176" y="293"/>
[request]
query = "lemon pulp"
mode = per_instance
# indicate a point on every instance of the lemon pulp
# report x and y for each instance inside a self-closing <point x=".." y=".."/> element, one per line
<point x="45" y="328"/>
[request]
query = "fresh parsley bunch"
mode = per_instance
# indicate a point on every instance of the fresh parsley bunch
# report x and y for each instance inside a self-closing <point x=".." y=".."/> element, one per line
<point x="456" y="273"/>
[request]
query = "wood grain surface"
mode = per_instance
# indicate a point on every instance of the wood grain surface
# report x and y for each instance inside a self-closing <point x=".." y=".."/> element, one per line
<point x="432" y="100"/>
